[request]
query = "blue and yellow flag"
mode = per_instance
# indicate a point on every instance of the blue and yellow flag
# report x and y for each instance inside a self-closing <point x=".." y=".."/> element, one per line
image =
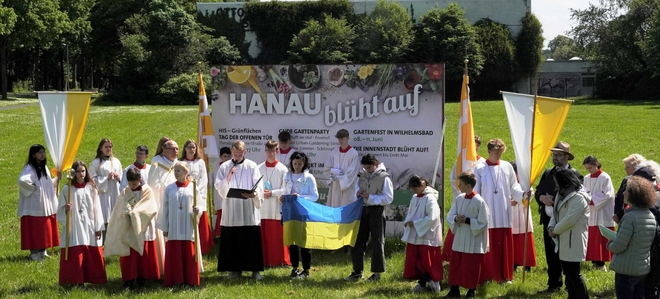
<point x="315" y="226"/>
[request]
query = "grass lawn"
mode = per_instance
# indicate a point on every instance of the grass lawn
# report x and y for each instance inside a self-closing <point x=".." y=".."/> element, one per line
<point x="608" y="130"/>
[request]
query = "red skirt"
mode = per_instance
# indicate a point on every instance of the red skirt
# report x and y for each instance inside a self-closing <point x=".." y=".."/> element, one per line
<point x="85" y="264"/>
<point x="39" y="232"/>
<point x="180" y="264"/>
<point x="272" y="242"/>
<point x="597" y="246"/>
<point x="519" y="250"/>
<point x="498" y="262"/>
<point x="216" y="231"/>
<point x="465" y="269"/>
<point x="446" y="248"/>
<point x="422" y="259"/>
<point x="140" y="266"/>
<point x="205" y="238"/>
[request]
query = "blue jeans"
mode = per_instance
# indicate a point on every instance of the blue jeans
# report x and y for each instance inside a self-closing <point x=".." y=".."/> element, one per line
<point x="627" y="286"/>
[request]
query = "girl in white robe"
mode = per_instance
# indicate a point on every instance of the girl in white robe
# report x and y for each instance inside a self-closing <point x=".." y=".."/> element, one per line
<point x="37" y="204"/>
<point x="199" y="173"/>
<point x="175" y="219"/>
<point x="424" y="237"/>
<point x="106" y="171"/>
<point x="601" y="208"/>
<point x="82" y="261"/>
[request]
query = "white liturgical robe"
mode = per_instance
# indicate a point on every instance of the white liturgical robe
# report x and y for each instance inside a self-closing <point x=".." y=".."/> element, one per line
<point x="271" y="208"/>
<point x="109" y="190"/>
<point x="86" y="217"/>
<point x="497" y="185"/>
<point x="344" y="166"/>
<point x="240" y="211"/>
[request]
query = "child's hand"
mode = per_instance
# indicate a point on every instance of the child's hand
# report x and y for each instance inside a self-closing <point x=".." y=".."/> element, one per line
<point x="409" y="223"/>
<point x="281" y="199"/>
<point x="268" y="193"/>
<point x="98" y="235"/>
<point x="514" y="203"/>
<point x="67" y="207"/>
<point x="165" y="234"/>
<point x="196" y="210"/>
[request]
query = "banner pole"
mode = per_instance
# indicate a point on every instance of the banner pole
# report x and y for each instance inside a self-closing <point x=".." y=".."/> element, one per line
<point x="526" y="206"/>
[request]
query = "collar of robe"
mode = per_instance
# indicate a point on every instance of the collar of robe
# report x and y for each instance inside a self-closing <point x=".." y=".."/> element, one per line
<point x="79" y="185"/>
<point x="237" y="163"/>
<point x="286" y="151"/>
<point x="140" y="166"/>
<point x="139" y="188"/>
<point x="595" y="175"/>
<point x="268" y="164"/>
<point x="190" y="160"/>
<point x="343" y="151"/>
<point x="184" y="184"/>
<point x="491" y="163"/>
<point x="420" y="195"/>
<point x="471" y="195"/>
<point x="106" y="158"/>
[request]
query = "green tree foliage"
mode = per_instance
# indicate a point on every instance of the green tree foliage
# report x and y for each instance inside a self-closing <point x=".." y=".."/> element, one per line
<point x="616" y="35"/>
<point x="563" y="48"/>
<point x="221" y="24"/>
<point x="7" y="19"/>
<point x="651" y="46"/>
<point x="221" y="51"/>
<point x="329" y="41"/>
<point x="529" y="46"/>
<point x="276" y="22"/>
<point x="498" y="52"/>
<point x="445" y="35"/>
<point x="384" y="35"/>
<point x="39" y="23"/>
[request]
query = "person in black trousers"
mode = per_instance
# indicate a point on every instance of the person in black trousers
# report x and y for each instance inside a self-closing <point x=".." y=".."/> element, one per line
<point x="545" y="194"/>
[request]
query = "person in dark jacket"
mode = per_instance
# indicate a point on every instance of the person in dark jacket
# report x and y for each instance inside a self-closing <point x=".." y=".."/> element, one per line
<point x="545" y="194"/>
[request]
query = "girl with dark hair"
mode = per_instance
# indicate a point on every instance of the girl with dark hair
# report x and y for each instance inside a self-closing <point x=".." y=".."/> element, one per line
<point x="423" y="236"/>
<point x="84" y="262"/>
<point x="299" y="182"/>
<point x="568" y="226"/>
<point x="37" y="205"/>
<point x="106" y="171"/>
<point x="601" y="208"/>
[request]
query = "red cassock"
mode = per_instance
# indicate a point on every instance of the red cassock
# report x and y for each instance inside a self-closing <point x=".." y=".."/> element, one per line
<point x="140" y="266"/>
<point x="423" y="259"/>
<point x="465" y="269"/>
<point x="498" y="262"/>
<point x="204" y="229"/>
<point x="446" y="247"/>
<point x="597" y="246"/>
<point x="180" y="264"/>
<point x="85" y="264"/>
<point x="272" y="242"/>
<point x="39" y="232"/>
<point x="519" y="250"/>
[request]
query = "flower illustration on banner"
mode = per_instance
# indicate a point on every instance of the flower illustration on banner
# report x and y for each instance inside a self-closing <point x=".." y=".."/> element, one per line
<point x="218" y="78"/>
<point x="366" y="71"/>
<point x="434" y="71"/>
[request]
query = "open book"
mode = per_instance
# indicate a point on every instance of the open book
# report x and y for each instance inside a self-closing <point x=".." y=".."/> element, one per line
<point x="237" y="193"/>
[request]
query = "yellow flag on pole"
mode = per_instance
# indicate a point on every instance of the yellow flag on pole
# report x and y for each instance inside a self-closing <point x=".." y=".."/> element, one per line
<point x="206" y="145"/>
<point x="466" y="149"/>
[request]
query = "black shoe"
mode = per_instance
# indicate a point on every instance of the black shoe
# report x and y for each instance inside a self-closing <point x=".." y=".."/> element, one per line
<point x="550" y="290"/>
<point x="454" y="292"/>
<point x="294" y="273"/>
<point x="374" y="277"/>
<point x="470" y="293"/>
<point x="355" y="276"/>
<point x="304" y="274"/>
<point x="129" y="284"/>
<point x="141" y="282"/>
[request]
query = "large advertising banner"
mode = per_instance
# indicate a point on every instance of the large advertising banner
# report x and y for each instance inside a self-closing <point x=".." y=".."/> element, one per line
<point x="393" y="111"/>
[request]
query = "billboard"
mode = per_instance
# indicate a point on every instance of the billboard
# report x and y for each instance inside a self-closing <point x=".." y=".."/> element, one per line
<point x="393" y="111"/>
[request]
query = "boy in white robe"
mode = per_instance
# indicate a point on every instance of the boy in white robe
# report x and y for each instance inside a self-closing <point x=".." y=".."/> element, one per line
<point x="285" y="150"/>
<point x="272" y="231"/>
<point x="141" y="155"/>
<point x="599" y="185"/>
<point x="81" y="259"/>
<point x="225" y="155"/>
<point x="342" y="168"/>
<point x="132" y="232"/>
<point x="240" y="238"/>
<point x="468" y="220"/>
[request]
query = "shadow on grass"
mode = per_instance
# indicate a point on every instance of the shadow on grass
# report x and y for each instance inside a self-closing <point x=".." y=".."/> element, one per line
<point x="19" y="258"/>
<point x="651" y="104"/>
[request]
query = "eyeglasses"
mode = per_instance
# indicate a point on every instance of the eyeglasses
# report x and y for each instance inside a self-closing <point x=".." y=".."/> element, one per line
<point x="176" y="149"/>
<point x="558" y="154"/>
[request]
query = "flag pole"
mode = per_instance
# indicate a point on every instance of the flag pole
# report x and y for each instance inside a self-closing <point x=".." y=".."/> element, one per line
<point x="526" y="205"/>
<point x="68" y="219"/>
<point x="194" y="218"/>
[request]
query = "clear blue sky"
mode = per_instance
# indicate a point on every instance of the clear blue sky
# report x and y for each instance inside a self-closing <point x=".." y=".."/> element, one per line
<point x="555" y="15"/>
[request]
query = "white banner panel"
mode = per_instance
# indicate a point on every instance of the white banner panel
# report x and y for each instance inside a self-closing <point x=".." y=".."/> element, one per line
<point x="392" y="111"/>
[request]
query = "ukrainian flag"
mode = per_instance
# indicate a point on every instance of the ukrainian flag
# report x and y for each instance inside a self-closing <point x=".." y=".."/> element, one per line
<point x="315" y="226"/>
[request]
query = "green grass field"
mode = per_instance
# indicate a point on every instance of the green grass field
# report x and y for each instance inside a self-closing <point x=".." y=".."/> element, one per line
<point x="609" y="130"/>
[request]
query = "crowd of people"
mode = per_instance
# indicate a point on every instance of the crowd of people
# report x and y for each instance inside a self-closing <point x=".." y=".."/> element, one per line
<point x="154" y="217"/>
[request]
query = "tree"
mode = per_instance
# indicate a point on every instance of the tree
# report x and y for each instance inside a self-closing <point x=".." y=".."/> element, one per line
<point x="563" y="48"/>
<point x="38" y="23"/>
<point x="445" y="35"/>
<point x="529" y="46"/>
<point x="651" y="46"/>
<point x="328" y="41"/>
<point x="384" y="35"/>
<point x="498" y="50"/>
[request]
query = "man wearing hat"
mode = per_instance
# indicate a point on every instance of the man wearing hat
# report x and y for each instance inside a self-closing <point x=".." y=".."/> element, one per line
<point x="341" y="169"/>
<point x="545" y="196"/>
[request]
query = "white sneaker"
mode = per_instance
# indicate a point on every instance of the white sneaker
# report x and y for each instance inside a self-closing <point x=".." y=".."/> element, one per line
<point x="45" y="254"/>
<point x="434" y="286"/>
<point x="419" y="288"/>
<point x="257" y="276"/>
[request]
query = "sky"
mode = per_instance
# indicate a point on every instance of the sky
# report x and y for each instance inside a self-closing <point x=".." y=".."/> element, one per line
<point x="555" y="15"/>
